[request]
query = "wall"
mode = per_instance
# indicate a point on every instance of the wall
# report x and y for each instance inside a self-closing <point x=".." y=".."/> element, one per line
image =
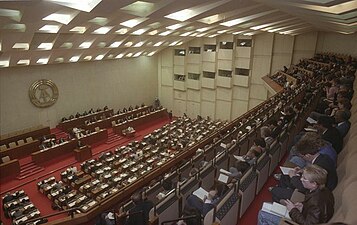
<point x="228" y="98"/>
<point x="115" y="83"/>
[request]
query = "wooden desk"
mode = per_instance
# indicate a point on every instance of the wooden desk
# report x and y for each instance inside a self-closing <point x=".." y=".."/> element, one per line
<point x="10" y="168"/>
<point x="83" y="153"/>
<point x="80" y="121"/>
<point x="43" y="156"/>
<point x="21" y="151"/>
<point x="95" y="138"/>
<point x="34" y="134"/>
<point x="107" y="123"/>
<point x="118" y="129"/>
<point x="272" y="86"/>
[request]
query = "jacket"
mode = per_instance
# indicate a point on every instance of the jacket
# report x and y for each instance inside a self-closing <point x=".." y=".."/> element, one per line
<point x="318" y="207"/>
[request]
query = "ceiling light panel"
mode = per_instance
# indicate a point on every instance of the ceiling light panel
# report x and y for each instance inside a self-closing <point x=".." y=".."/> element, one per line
<point x="139" y="32"/>
<point x="115" y="44"/>
<point x="24" y="62"/>
<point x="50" y="28"/>
<point x="101" y="21"/>
<point x="82" y="5"/>
<point x="45" y="46"/>
<point x="64" y="18"/>
<point x="139" y="44"/>
<point x="85" y="44"/>
<point x="74" y="58"/>
<point x="102" y="30"/>
<point x="140" y="8"/>
<point x="42" y="61"/>
<point x="133" y="22"/>
<point x="119" y="56"/>
<point x="122" y="31"/>
<point x="166" y="33"/>
<point x="78" y="29"/>
<point x="22" y="46"/>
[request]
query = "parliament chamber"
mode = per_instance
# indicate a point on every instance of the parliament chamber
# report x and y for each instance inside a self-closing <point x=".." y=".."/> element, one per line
<point x="178" y="112"/>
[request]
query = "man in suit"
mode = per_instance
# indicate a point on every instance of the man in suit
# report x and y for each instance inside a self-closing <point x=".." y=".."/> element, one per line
<point x="307" y="149"/>
<point x="341" y="119"/>
<point x="329" y="133"/>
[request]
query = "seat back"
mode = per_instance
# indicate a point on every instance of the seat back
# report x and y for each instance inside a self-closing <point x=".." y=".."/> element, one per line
<point x="12" y="144"/>
<point x="168" y="209"/>
<point x="227" y="208"/>
<point x="274" y="154"/>
<point x="29" y="139"/>
<point x="5" y="159"/>
<point x="221" y="161"/>
<point x="20" y="142"/>
<point x="247" y="187"/>
<point x="262" y="169"/>
<point x="3" y="147"/>
<point x="207" y="176"/>
<point x="188" y="187"/>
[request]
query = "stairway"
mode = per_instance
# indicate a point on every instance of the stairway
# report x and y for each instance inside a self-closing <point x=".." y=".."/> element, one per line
<point x="29" y="169"/>
<point x="112" y="137"/>
<point x="59" y="133"/>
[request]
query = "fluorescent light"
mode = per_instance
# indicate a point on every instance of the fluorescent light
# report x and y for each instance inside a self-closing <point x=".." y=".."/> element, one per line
<point x="78" y="29"/>
<point x="85" y="44"/>
<point x="50" y="28"/>
<point x="151" y="53"/>
<point x="222" y="31"/>
<point x="74" y="58"/>
<point x="122" y="31"/>
<point x="42" y="61"/>
<point x="23" y="46"/>
<point x="173" y="43"/>
<point x="193" y="35"/>
<point x="15" y="26"/>
<point x="139" y="44"/>
<point x="185" y="34"/>
<point x="88" y="57"/>
<point x="139" y="32"/>
<point x="82" y="5"/>
<point x="23" y="62"/>
<point x="101" y="44"/>
<point x="4" y="63"/>
<point x="102" y="30"/>
<point x="129" y="54"/>
<point x="180" y="43"/>
<point x="59" y="60"/>
<point x="181" y="15"/>
<point x="153" y="32"/>
<point x="232" y="22"/>
<point x="60" y="18"/>
<point x="133" y="22"/>
<point x="259" y="26"/>
<point x="67" y="45"/>
<point x="128" y="44"/>
<point x="203" y="29"/>
<point x="110" y="56"/>
<point x="45" y="46"/>
<point x="99" y="57"/>
<point x="201" y="35"/>
<point x="158" y="44"/>
<point x="115" y="44"/>
<point x="248" y="34"/>
<point x="119" y="56"/>
<point x="137" y="54"/>
<point x="165" y="33"/>
<point x="176" y="26"/>
<point x="101" y="21"/>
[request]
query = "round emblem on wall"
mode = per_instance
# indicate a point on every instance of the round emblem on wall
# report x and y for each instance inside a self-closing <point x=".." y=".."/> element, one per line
<point x="43" y="93"/>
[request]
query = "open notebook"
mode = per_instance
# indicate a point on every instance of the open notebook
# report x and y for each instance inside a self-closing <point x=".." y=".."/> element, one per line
<point x="200" y="193"/>
<point x="276" y="209"/>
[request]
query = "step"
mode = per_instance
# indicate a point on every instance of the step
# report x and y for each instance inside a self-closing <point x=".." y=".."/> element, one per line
<point x="30" y="173"/>
<point x="22" y="170"/>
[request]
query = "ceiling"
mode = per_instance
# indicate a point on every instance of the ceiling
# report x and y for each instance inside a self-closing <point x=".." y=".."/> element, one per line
<point x="35" y="32"/>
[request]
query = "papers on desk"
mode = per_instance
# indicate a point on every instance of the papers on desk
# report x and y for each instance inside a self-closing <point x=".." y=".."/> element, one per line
<point x="285" y="170"/>
<point x="223" y="178"/>
<point x="310" y="129"/>
<point x="311" y="120"/>
<point x="223" y="145"/>
<point x="238" y="157"/>
<point x="276" y="209"/>
<point x="200" y="193"/>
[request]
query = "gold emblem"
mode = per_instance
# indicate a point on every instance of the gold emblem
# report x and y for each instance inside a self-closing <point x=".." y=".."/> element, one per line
<point x="43" y="93"/>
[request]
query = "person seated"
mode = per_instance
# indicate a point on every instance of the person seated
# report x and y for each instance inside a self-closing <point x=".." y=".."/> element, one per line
<point x="139" y="214"/>
<point x="105" y="108"/>
<point x="318" y="206"/>
<point x="167" y="186"/>
<point x="215" y="193"/>
<point x="63" y="119"/>
<point x="288" y="183"/>
<point x="78" y="115"/>
<point x="142" y="104"/>
<point x="91" y="111"/>
<point x="329" y="133"/>
<point x="130" y="108"/>
<point x="342" y="123"/>
<point x="125" y="110"/>
<point x="265" y="133"/>
<point x="313" y="140"/>
<point x="71" y="117"/>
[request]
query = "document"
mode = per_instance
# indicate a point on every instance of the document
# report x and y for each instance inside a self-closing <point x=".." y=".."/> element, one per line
<point x="223" y="145"/>
<point x="285" y="170"/>
<point x="310" y="129"/>
<point x="225" y="171"/>
<point x="200" y="193"/>
<point x="223" y="178"/>
<point x="276" y="209"/>
<point x="238" y="157"/>
<point x="311" y="120"/>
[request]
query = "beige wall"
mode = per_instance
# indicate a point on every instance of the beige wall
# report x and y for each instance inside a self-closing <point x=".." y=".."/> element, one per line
<point x="224" y="98"/>
<point x="115" y="83"/>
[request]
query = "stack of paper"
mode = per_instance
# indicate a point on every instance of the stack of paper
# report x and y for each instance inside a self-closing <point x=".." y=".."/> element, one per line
<point x="200" y="193"/>
<point x="311" y="120"/>
<point x="286" y="170"/>
<point x="276" y="209"/>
